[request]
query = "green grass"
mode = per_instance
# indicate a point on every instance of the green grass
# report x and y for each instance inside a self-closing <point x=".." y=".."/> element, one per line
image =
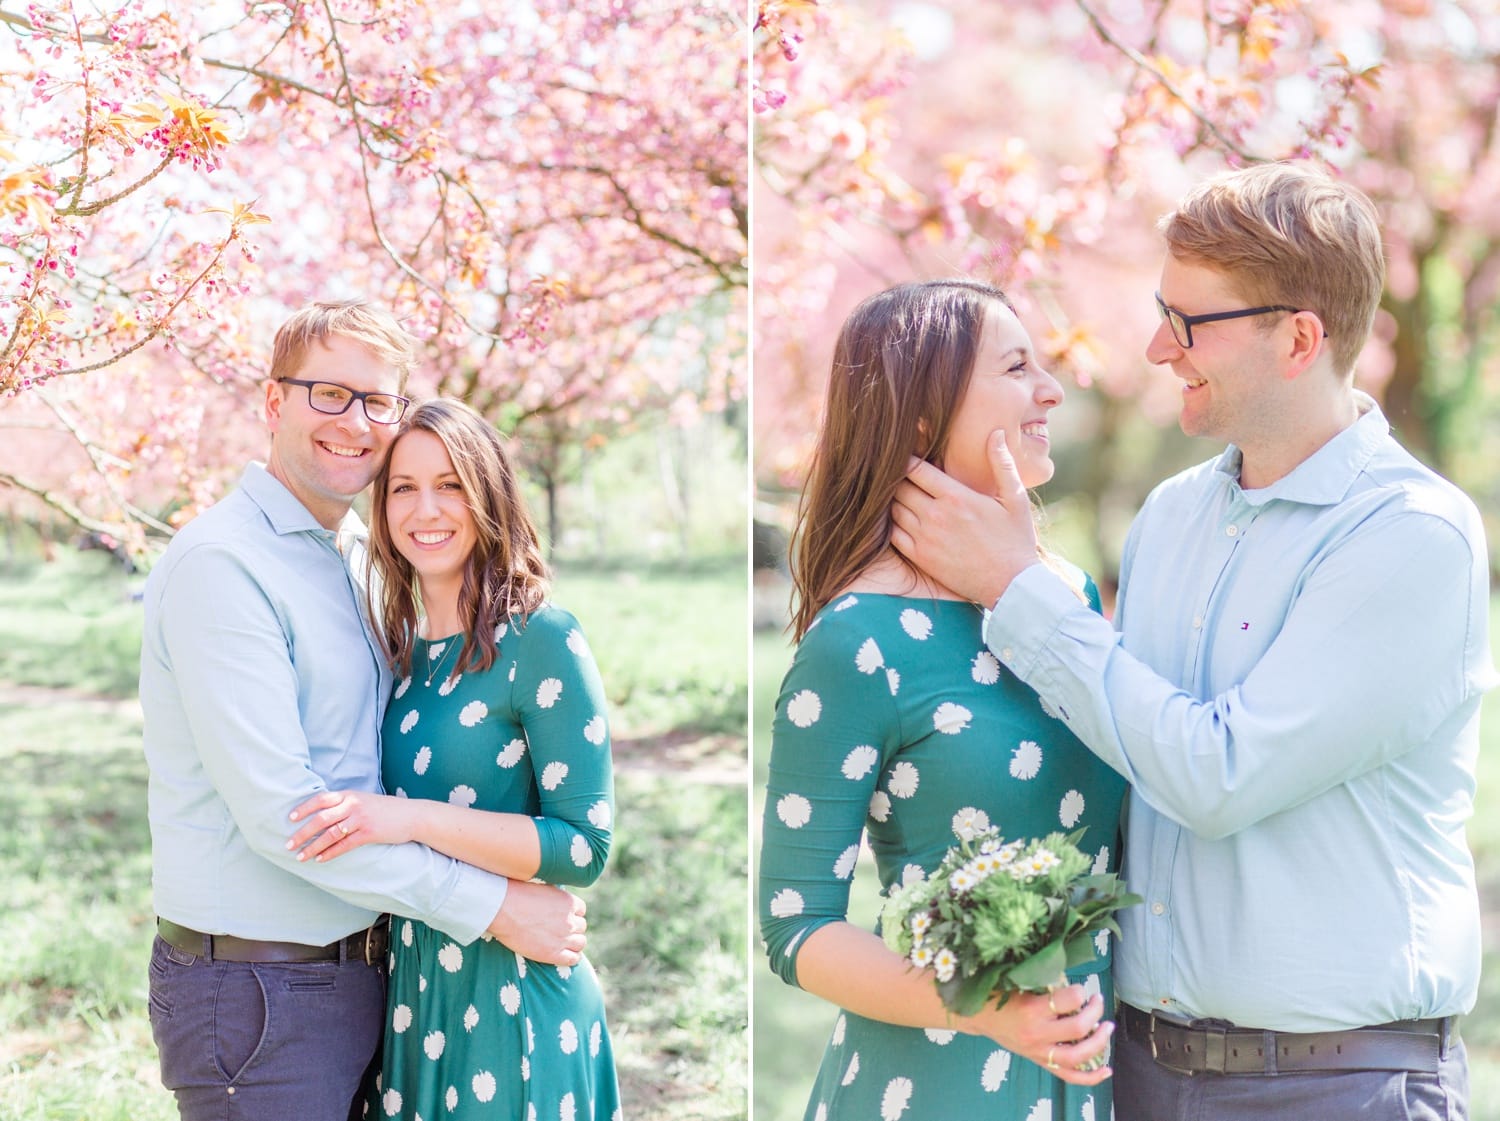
<point x="791" y="1027"/>
<point x="667" y="921"/>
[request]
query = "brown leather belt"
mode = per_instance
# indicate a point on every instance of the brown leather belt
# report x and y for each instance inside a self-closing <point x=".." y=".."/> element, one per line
<point x="1208" y="1046"/>
<point x="368" y="946"/>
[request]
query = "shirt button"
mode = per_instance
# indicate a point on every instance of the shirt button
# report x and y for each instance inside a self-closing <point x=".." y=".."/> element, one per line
<point x="1197" y="622"/>
<point x="1158" y="908"/>
<point x="1007" y="654"/>
<point x="1233" y="531"/>
<point x="231" y="1090"/>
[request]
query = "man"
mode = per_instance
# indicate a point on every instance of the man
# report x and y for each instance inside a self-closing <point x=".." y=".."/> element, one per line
<point x="1293" y="692"/>
<point x="261" y="686"/>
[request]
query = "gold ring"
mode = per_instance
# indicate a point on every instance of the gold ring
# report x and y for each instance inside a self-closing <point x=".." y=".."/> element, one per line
<point x="1052" y="1006"/>
<point x="343" y="830"/>
<point x="1051" y="1062"/>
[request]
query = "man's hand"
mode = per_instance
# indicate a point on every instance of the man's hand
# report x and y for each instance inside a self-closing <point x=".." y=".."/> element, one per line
<point x="971" y="543"/>
<point x="542" y="923"/>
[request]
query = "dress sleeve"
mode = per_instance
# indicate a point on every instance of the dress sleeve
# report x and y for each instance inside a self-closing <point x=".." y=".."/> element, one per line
<point x="559" y="700"/>
<point x="835" y="723"/>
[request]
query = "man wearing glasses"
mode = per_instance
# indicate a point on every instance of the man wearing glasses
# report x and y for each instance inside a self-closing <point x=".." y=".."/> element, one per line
<point x="1293" y="690"/>
<point x="261" y="686"/>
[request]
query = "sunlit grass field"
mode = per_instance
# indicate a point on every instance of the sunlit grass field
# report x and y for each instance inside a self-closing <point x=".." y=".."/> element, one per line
<point x="667" y="920"/>
<point x="791" y="1027"/>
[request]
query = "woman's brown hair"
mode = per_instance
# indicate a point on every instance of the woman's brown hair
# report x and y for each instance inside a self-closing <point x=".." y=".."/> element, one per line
<point x="505" y="575"/>
<point x="901" y="365"/>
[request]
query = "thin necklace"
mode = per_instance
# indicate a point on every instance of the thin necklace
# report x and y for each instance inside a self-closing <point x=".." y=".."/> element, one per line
<point x="433" y="667"/>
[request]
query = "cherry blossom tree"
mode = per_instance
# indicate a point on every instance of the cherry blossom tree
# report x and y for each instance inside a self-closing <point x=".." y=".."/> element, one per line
<point x="1036" y="144"/>
<point x="561" y="218"/>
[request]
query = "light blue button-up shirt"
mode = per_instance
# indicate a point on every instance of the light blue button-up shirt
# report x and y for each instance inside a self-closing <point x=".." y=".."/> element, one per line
<point x="1293" y="694"/>
<point x="261" y="686"/>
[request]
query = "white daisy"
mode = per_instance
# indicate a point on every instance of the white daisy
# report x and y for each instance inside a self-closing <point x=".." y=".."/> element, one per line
<point x="577" y="643"/>
<point x="951" y="719"/>
<point x="553" y="774"/>
<point x="567" y="1037"/>
<point x="893" y="680"/>
<point x="462" y="795"/>
<point x="904" y="779"/>
<point x="1025" y="760"/>
<point x="450" y="1099"/>
<point x="525" y="1069"/>
<point x="501" y="631"/>
<point x="401" y="689"/>
<point x="449" y="684"/>
<point x="401" y="1018"/>
<point x="390" y="1101"/>
<point x="986" y="668"/>
<point x="896" y="1098"/>
<point x="579" y="851"/>
<point x="510" y="997"/>
<point x="916" y="624"/>
<point x="484" y="1086"/>
<point x="433" y="1044"/>
<point x="843" y="867"/>
<point x="472" y="713"/>
<point x="846" y="603"/>
<point x="406" y="932"/>
<point x="600" y="815"/>
<point x="421" y="762"/>
<point x="838" y="1030"/>
<point x="941" y="1036"/>
<point x="880" y="805"/>
<point x="860" y="762"/>
<point x="435" y="651"/>
<point x="996" y="1067"/>
<point x="804" y="709"/>
<point x="852" y="1070"/>
<point x="1042" y="1111"/>
<point x="511" y="753"/>
<point x="1091" y="986"/>
<point x="1101" y="862"/>
<point x="794" y="810"/>
<point x="1071" y="809"/>
<point x="596" y="1039"/>
<point x="511" y="677"/>
<point x="566" y="1111"/>
<point x="1048" y="708"/>
<point x="969" y="822"/>
<point x="869" y="659"/>
<point x="786" y="903"/>
<point x="912" y="874"/>
<point x="521" y="967"/>
<point x="471" y="1018"/>
<point x="409" y="721"/>
<point x="1087" y="1112"/>
<point x="821" y="1114"/>
<point x="595" y="731"/>
<point x="1101" y="943"/>
<point x="451" y="957"/>
<point x="548" y="692"/>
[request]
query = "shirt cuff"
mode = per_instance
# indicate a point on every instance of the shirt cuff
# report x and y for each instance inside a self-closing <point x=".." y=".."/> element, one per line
<point x="1027" y="614"/>
<point x="473" y="904"/>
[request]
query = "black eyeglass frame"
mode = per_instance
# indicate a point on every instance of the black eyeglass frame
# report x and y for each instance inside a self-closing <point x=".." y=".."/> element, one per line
<point x="1172" y="315"/>
<point x="354" y="395"/>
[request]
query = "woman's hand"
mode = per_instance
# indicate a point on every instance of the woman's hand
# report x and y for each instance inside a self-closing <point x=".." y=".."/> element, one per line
<point x="1060" y="1031"/>
<point x="339" y="821"/>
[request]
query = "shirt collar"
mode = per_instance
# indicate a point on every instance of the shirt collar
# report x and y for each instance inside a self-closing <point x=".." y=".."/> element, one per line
<point x="286" y="514"/>
<point x="1323" y="478"/>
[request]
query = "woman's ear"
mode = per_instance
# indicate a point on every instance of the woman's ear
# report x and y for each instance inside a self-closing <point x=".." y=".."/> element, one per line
<point x="924" y="438"/>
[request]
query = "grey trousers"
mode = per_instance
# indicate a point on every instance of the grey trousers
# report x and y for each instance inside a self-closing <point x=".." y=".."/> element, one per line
<point x="1147" y="1091"/>
<point x="250" y="1042"/>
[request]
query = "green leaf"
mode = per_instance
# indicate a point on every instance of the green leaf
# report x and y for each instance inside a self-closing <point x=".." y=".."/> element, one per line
<point x="1041" y="969"/>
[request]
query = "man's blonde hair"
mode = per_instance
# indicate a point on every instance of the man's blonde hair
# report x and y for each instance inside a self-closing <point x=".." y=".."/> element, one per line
<point x="359" y="320"/>
<point x="1286" y="233"/>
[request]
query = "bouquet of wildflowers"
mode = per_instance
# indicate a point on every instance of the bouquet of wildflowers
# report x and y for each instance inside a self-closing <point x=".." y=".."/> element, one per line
<point x="998" y="916"/>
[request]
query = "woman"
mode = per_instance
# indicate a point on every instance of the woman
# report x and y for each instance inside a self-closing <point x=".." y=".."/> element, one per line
<point x="894" y="719"/>
<point x="496" y="750"/>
